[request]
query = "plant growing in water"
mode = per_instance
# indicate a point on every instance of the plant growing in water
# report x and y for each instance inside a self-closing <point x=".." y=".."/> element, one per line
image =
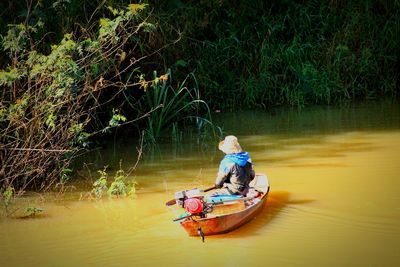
<point x="100" y="185"/>
<point x="173" y="105"/>
<point x="120" y="188"/>
<point x="7" y="196"/>
<point x="32" y="211"/>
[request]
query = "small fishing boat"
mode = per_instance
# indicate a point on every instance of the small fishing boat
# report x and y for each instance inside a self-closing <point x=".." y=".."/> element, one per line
<point x="221" y="213"/>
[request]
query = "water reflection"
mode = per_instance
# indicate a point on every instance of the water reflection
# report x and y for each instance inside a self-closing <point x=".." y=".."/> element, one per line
<point x="365" y="116"/>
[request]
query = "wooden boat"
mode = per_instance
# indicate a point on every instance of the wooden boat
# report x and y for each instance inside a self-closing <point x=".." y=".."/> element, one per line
<point x="229" y="214"/>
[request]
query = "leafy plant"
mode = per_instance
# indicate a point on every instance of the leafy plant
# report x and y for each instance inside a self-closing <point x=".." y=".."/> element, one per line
<point x="100" y="185"/>
<point x="32" y="211"/>
<point x="7" y="196"/>
<point x="120" y="187"/>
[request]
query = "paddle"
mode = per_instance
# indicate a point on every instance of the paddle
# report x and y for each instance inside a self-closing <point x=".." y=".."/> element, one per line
<point x="173" y="201"/>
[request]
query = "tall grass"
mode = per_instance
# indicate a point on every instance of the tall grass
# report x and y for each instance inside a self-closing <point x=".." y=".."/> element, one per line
<point x="174" y="107"/>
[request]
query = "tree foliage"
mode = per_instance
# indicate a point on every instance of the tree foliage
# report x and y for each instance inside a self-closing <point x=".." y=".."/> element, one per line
<point x="50" y="100"/>
<point x="269" y="53"/>
<point x="73" y="69"/>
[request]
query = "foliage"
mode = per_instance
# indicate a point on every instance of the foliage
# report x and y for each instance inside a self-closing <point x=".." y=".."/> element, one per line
<point x="32" y="211"/>
<point x="172" y="106"/>
<point x="269" y="53"/>
<point x="100" y="185"/>
<point x="116" y="119"/>
<point x="120" y="187"/>
<point x="6" y="196"/>
<point x="50" y="101"/>
<point x="73" y="70"/>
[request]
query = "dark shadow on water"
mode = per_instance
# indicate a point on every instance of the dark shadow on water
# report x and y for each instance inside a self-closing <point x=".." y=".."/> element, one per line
<point x="32" y="217"/>
<point x="277" y="202"/>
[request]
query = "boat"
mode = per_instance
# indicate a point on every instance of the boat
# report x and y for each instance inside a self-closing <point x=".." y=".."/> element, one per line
<point x="221" y="213"/>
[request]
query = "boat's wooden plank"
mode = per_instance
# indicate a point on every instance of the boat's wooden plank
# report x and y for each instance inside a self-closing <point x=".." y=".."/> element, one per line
<point x="228" y="207"/>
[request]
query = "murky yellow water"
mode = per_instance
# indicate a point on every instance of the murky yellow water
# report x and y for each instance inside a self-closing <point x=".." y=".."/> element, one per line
<point x="334" y="201"/>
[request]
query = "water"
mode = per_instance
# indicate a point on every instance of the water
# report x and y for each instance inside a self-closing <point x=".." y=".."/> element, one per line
<point x="334" y="199"/>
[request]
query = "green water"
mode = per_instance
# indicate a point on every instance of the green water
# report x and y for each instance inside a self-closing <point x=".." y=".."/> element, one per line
<point x="334" y="199"/>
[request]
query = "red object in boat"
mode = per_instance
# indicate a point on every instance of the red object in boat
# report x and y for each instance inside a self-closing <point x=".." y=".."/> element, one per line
<point x="222" y="223"/>
<point x="193" y="205"/>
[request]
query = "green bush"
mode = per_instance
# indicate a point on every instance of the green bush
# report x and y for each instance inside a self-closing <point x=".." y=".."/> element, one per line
<point x="50" y="100"/>
<point x="269" y="53"/>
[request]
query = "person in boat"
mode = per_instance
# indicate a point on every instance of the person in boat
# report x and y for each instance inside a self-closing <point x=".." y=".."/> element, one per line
<point x="235" y="170"/>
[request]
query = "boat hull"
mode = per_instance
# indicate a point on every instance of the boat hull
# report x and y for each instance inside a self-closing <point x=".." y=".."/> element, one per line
<point x="218" y="223"/>
<point x="223" y="223"/>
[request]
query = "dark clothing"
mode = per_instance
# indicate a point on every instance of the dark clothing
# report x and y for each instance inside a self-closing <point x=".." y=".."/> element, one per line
<point x="235" y="173"/>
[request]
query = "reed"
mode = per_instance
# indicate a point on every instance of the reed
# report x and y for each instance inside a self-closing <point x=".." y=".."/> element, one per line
<point x="173" y="107"/>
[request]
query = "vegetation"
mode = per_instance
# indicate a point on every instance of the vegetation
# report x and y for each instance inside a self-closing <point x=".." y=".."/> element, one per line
<point x="49" y="99"/>
<point x="269" y="53"/>
<point x="6" y="198"/>
<point x="72" y="71"/>
<point x="53" y="102"/>
<point x="175" y="105"/>
<point x="120" y="187"/>
<point x="31" y="212"/>
<point x="100" y="185"/>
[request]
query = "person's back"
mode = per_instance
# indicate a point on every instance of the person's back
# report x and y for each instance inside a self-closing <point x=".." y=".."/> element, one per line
<point x="236" y="169"/>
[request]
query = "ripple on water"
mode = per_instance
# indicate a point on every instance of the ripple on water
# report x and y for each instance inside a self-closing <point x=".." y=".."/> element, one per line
<point x="321" y="217"/>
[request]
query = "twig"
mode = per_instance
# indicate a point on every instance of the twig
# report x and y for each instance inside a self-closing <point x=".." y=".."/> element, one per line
<point x="36" y="149"/>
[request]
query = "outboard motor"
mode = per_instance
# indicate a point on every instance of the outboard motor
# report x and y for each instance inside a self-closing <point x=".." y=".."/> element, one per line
<point x="191" y="200"/>
<point x="193" y="205"/>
